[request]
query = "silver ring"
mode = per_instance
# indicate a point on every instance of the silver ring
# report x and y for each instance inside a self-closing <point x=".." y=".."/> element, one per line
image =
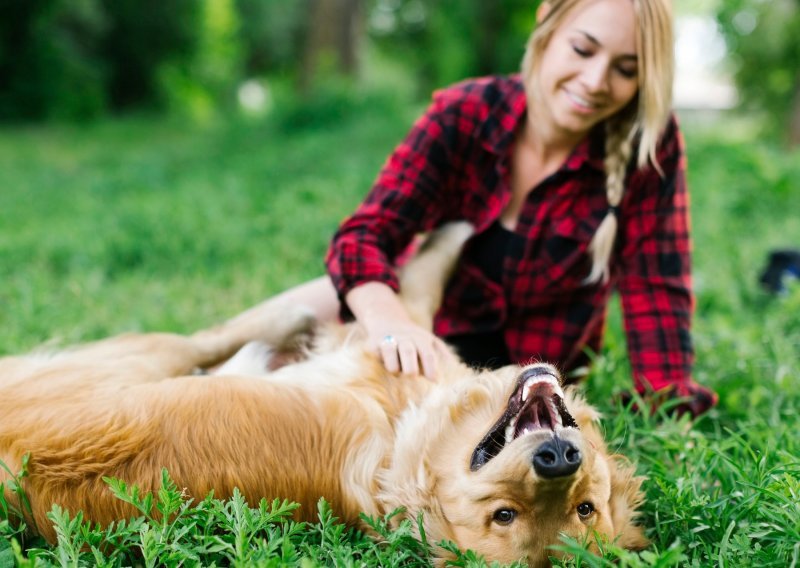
<point x="389" y="340"/>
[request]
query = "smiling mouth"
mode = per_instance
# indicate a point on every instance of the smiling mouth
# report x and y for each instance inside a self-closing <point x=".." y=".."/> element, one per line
<point x="537" y="404"/>
<point x="581" y="102"/>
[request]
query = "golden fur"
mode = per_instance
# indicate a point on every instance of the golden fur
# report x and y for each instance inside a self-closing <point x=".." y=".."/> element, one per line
<point x="334" y="424"/>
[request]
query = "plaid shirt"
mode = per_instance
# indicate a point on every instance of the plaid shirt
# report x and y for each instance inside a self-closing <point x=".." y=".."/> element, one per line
<point x="454" y="164"/>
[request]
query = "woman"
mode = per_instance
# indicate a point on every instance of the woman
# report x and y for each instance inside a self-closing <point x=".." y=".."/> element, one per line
<point x="573" y="175"/>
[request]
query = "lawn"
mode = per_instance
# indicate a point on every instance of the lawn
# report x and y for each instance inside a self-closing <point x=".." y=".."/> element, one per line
<point x="154" y="224"/>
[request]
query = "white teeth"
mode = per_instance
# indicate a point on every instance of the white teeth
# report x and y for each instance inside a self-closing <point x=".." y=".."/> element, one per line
<point x="580" y="100"/>
<point x="538" y="379"/>
<point x="510" y="431"/>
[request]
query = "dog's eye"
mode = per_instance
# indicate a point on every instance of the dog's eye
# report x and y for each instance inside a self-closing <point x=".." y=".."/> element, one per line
<point x="504" y="516"/>
<point x="585" y="510"/>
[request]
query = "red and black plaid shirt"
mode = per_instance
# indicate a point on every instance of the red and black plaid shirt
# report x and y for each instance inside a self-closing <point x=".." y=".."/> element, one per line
<point x="454" y="164"/>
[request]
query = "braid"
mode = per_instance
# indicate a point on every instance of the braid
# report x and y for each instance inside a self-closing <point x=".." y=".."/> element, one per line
<point x="619" y="136"/>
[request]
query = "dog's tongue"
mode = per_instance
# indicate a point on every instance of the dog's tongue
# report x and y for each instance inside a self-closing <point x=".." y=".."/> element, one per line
<point x="536" y="415"/>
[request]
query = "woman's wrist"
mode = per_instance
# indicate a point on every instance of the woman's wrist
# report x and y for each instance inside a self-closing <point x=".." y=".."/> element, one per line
<point x="375" y="302"/>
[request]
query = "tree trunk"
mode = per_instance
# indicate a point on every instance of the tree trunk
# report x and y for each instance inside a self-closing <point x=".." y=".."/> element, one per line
<point x="491" y="26"/>
<point x="334" y="30"/>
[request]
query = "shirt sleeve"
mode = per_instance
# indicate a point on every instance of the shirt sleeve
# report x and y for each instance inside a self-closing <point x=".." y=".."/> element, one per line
<point x="655" y="271"/>
<point x="407" y="197"/>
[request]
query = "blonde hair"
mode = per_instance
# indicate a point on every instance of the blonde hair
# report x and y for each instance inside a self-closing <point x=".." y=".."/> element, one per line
<point x="635" y="129"/>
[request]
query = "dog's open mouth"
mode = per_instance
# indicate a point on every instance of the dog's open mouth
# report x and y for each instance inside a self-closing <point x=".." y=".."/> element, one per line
<point x="536" y="404"/>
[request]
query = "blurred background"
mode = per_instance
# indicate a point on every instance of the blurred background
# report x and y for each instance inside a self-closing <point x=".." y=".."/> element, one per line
<point x="78" y="60"/>
<point x="156" y="156"/>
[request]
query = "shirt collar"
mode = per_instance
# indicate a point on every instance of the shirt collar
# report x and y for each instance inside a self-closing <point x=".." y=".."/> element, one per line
<point x="498" y="130"/>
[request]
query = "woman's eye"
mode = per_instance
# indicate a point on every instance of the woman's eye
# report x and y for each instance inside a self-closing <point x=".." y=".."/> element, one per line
<point x="585" y="510"/>
<point x="504" y="516"/>
<point x="627" y="72"/>
<point x="581" y="52"/>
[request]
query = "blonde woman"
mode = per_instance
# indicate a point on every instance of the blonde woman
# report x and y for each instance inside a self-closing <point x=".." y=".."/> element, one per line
<point x="573" y="175"/>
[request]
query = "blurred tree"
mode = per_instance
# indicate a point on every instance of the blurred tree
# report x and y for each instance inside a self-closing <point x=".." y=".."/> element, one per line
<point x="448" y="40"/>
<point x="142" y="36"/>
<point x="51" y="63"/>
<point x="205" y="79"/>
<point x="271" y="33"/>
<point x="333" y="39"/>
<point x="75" y="59"/>
<point x="764" y="40"/>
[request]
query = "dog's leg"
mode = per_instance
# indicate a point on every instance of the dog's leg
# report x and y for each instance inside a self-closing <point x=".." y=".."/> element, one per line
<point x="276" y="323"/>
<point x="423" y="278"/>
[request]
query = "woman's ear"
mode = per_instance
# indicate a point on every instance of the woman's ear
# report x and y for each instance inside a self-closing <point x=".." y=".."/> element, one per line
<point x="542" y="12"/>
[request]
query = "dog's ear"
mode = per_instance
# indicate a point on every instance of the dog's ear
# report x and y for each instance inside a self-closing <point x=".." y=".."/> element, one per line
<point x="626" y="497"/>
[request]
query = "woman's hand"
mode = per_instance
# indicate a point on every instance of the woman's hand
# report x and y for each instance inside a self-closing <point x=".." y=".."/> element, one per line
<point x="403" y="345"/>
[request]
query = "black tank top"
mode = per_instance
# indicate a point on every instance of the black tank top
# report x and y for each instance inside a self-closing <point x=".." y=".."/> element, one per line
<point x="486" y="349"/>
<point x="488" y="250"/>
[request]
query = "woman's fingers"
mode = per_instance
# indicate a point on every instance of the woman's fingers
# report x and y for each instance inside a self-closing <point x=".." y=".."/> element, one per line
<point x="409" y="359"/>
<point x="427" y="359"/>
<point x="412" y="353"/>
<point x="388" y="350"/>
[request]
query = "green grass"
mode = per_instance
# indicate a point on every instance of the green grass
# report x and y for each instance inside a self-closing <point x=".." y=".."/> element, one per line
<point x="147" y="224"/>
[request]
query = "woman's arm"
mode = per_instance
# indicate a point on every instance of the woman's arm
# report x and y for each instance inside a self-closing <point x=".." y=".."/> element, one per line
<point x="409" y="196"/>
<point x="655" y="278"/>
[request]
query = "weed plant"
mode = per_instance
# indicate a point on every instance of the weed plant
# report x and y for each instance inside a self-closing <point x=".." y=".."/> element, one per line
<point x="145" y="224"/>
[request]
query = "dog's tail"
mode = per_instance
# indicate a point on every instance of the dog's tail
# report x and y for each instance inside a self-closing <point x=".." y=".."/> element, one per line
<point x="424" y="277"/>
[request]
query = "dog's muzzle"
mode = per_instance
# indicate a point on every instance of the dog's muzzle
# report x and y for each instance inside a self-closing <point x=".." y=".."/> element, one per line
<point x="536" y="404"/>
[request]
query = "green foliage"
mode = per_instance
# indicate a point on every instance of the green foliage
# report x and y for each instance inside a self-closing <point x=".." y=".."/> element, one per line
<point x="764" y="39"/>
<point x="204" y="81"/>
<point x="76" y="59"/>
<point x="50" y="59"/>
<point x="142" y="36"/>
<point x="447" y="40"/>
<point x="271" y="34"/>
<point x="10" y="511"/>
<point x="160" y="225"/>
<point x="172" y="530"/>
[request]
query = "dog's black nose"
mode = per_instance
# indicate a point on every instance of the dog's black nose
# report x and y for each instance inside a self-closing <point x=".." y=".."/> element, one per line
<point x="556" y="458"/>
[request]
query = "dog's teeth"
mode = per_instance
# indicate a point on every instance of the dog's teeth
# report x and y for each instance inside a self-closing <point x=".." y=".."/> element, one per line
<point x="526" y="389"/>
<point x="510" y="431"/>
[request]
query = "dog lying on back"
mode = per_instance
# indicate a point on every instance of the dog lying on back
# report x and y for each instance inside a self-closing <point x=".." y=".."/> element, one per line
<point x="502" y="462"/>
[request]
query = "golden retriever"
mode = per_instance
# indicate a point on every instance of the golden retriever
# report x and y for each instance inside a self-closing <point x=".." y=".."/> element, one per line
<point x="500" y="462"/>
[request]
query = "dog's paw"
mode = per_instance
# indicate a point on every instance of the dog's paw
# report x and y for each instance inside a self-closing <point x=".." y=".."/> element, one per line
<point x="252" y="359"/>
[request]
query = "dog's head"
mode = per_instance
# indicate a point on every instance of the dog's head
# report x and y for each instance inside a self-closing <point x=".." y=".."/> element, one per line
<point x="504" y="462"/>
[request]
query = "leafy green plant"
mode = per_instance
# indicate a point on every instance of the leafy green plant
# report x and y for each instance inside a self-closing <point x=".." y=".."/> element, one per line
<point x="173" y="530"/>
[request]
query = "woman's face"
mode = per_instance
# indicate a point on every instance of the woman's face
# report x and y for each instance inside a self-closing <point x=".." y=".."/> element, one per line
<point x="588" y="70"/>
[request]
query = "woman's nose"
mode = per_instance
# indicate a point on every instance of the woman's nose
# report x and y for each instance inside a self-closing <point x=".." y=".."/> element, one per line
<point x="595" y="76"/>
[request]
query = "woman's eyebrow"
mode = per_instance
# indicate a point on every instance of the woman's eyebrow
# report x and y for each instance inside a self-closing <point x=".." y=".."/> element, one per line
<point x="594" y="40"/>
